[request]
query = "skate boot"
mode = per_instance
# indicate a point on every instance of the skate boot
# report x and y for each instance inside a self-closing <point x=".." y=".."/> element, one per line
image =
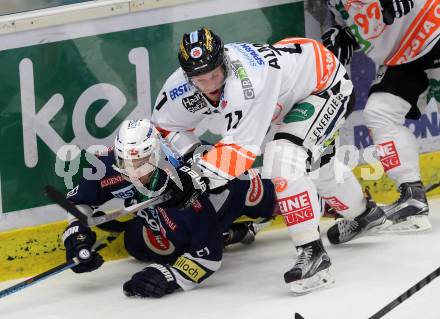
<point x="410" y="212"/>
<point x="244" y="232"/>
<point x="311" y="269"/>
<point x="345" y="230"/>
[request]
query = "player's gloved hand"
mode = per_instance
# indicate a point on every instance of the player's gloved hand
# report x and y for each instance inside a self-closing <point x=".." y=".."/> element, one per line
<point x="341" y="42"/>
<point x="193" y="185"/>
<point x="78" y="241"/>
<point x="392" y="9"/>
<point x="155" y="280"/>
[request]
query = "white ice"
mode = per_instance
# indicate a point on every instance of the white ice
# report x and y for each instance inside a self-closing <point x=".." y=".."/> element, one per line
<point x="370" y="272"/>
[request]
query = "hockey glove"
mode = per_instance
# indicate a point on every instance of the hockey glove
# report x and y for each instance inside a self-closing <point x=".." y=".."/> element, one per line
<point x="193" y="185"/>
<point x="79" y="241"/>
<point x="392" y="9"/>
<point x="241" y="232"/>
<point x="341" y="42"/>
<point x="155" y="281"/>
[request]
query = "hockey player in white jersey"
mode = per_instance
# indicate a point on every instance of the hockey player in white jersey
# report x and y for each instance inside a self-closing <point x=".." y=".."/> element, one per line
<point x="301" y="88"/>
<point x="402" y="37"/>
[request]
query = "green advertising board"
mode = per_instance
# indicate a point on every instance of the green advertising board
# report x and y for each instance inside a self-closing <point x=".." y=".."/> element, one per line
<point x="78" y="91"/>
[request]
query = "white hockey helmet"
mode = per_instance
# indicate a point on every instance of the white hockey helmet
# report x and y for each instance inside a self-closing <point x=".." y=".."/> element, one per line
<point x="140" y="150"/>
<point x="137" y="148"/>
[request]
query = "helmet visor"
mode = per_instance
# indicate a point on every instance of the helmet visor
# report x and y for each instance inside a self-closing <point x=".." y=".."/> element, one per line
<point x="211" y="81"/>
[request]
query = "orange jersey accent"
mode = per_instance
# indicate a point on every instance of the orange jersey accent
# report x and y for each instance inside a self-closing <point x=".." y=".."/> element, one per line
<point x="229" y="159"/>
<point x="325" y="61"/>
<point x="418" y="34"/>
<point x="404" y="40"/>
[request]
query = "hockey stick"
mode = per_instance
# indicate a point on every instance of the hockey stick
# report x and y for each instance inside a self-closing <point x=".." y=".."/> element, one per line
<point x="432" y="187"/>
<point x="59" y="199"/>
<point x="55" y="270"/>
<point x="393" y="304"/>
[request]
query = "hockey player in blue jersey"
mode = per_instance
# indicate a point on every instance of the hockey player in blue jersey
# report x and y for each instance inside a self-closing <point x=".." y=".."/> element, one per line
<point x="184" y="236"/>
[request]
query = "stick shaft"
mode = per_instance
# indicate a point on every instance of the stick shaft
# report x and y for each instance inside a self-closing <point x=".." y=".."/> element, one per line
<point x="411" y="291"/>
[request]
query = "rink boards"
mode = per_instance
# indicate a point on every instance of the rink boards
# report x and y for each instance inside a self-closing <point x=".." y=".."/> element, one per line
<point x="32" y="250"/>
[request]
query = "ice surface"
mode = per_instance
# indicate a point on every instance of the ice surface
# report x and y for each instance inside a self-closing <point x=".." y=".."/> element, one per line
<point x="370" y="272"/>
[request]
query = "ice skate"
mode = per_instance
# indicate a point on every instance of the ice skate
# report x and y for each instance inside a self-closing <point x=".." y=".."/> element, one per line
<point x="344" y="230"/>
<point x="409" y="213"/>
<point x="311" y="269"/>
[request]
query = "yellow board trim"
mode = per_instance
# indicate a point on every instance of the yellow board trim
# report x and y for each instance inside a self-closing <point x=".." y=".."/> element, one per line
<point x="29" y="251"/>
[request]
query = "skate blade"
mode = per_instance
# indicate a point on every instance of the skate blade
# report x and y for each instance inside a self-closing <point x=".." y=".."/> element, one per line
<point x="320" y="280"/>
<point x="377" y="230"/>
<point x="412" y="224"/>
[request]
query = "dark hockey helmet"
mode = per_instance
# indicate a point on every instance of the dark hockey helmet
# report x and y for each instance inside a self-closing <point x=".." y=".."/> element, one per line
<point x="200" y="51"/>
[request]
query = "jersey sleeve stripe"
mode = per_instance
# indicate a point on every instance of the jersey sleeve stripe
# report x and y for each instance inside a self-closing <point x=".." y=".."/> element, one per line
<point x="325" y="61"/>
<point x="229" y="159"/>
<point x="240" y="150"/>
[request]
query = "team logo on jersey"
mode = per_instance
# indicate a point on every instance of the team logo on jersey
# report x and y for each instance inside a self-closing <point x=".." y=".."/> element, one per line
<point x="335" y="203"/>
<point x="251" y="53"/>
<point x="178" y="91"/>
<point x="246" y="84"/>
<point x="112" y="180"/>
<point x="256" y="191"/>
<point x="154" y="233"/>
<point x="196" y="52"/>
<point x="189" y="268"/>
<point x="170" y="223"/>
<point x="388" y="155"/>
<point x="194" y="103"/>
<point x="327" y="119"/>
<point x="296" y="209"/>
<point x="124" y="193"/>
<point x="73" y="192"/>
<point x="157" y="243"/>
<point x="280" y="184"/>
<point x="300" y="112"/>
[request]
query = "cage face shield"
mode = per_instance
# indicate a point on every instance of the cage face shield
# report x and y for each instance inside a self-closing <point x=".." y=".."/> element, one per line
<point x="138" y="169"/>
<point x="140" y="151"/>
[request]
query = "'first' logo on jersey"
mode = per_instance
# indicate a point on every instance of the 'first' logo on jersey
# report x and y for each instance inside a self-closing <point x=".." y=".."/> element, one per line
<point x="178" y="91"/>
<point x="388" y="155"/>
<point x="296" y="209"/>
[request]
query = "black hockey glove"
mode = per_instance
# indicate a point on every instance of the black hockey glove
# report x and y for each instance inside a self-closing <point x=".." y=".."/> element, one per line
<point x="392" y="9"/>
<point x="193" y="184"/>
<point x="155" y="280"/>
<point x="78" y="241"/>
<point x="240" y="232"/>
<point x="341" y="42"/>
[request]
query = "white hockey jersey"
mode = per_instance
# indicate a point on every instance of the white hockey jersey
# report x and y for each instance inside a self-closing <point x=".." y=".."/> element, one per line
<point x="263" y="84"/>
<point x="406" y="39"/>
